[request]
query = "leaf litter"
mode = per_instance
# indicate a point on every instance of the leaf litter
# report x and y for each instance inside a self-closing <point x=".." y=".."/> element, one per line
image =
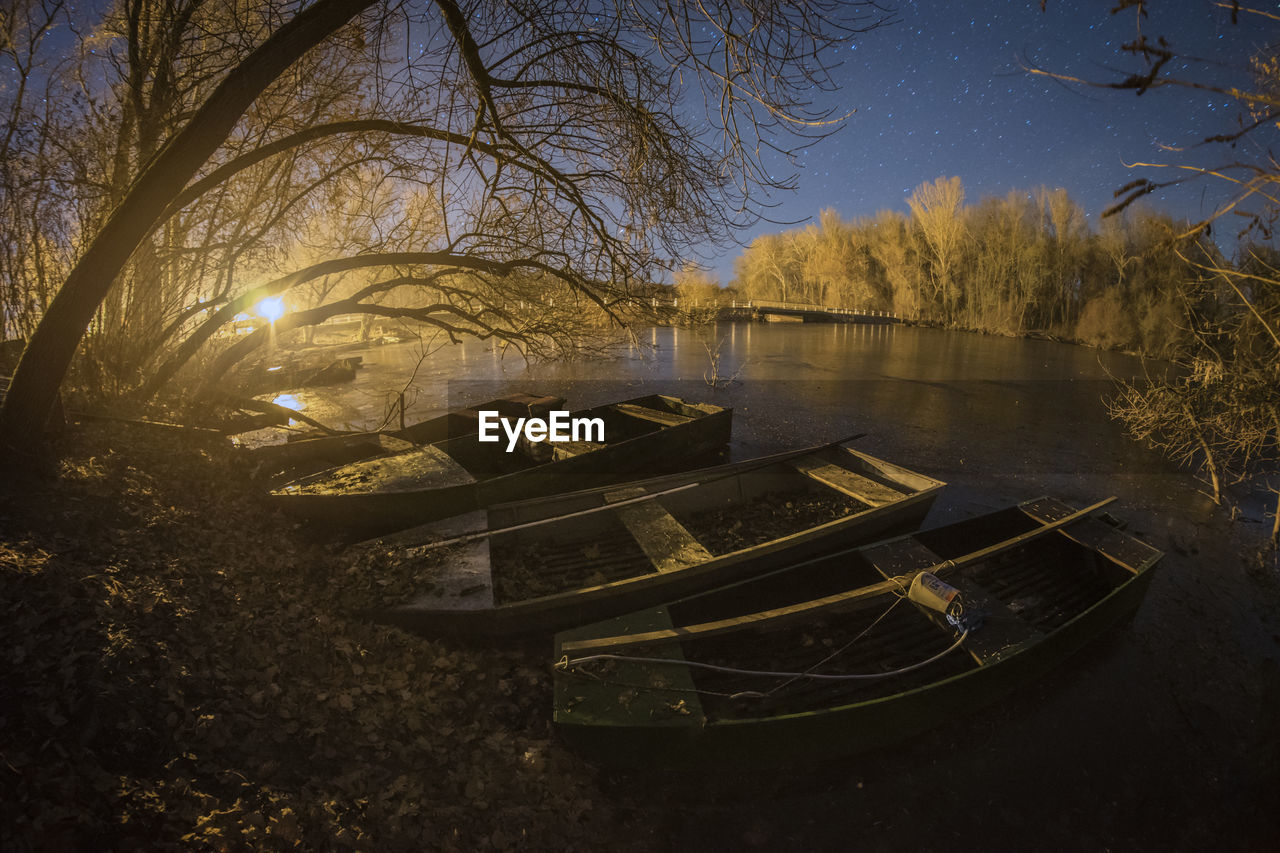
<point x="182" y="672"/>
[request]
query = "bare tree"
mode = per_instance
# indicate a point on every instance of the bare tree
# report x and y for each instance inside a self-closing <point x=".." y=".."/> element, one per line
<point x="53" y="343"/>
<point x="1220" y="408"/>
<point x="33" y="234"/>
<point x="554" y="137"/>
<point x="892" y="251"/>
<point x="1066" y="257"/>
<point x="767" y="269"/>
<point x="936" y="211"/>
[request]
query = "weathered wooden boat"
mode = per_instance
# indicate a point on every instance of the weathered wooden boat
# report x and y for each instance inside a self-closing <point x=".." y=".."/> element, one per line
<point x="466" y="421"/>
<point x="301" y="371"/>
<point x="579" y="557"/>
<point x="318" y="452"/>
<point x="460" y="474"/>
<point x="821" y="659"/>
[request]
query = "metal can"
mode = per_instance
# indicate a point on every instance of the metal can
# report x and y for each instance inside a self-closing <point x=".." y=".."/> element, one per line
<point x="927" y="590"/>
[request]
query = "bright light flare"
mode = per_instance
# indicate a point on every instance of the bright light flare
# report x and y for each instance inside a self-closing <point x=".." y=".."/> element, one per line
<point x="270" y="309"/>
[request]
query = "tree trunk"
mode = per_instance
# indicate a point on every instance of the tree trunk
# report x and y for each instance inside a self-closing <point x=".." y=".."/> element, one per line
<point x="53" y="344"/>
<point x="1275" y="523"/>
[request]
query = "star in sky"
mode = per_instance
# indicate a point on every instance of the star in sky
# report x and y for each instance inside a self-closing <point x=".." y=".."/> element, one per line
<point x="946" y="91"/>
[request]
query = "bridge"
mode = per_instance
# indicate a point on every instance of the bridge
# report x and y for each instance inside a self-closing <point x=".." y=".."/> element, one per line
<point x="807" y="312"/>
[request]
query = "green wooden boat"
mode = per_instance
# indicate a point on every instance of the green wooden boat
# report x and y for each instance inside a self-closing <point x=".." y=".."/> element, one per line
<point x="461" y="474"/>
<point x="580" y="557"/>
<point x="829" y="657"/>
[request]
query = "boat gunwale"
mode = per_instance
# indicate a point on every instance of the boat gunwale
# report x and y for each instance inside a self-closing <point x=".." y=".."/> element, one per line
<point x="973" y="667"/>
<point x="640" y="583"/>
<point x="717" y="562"/>
<point x="725" y="469"/>
<point x="855" y="594"/>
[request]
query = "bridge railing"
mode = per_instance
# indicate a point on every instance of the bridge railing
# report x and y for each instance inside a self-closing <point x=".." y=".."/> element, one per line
<point x="754" y="304"/>
<point x="810" y="307"/>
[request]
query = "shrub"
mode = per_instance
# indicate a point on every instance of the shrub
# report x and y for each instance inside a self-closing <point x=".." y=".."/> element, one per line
<point x="1105" y="323"/>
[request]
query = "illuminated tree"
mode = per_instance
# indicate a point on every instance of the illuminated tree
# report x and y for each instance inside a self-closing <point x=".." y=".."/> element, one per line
<point x="935" y="209"/>
<point x="559" y="142"/>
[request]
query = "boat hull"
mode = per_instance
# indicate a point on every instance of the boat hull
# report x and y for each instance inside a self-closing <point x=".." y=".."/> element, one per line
<point x="822" y="735"/>
<point x="590" y="603"/>
<point x="542" y="617"/>
<point x="370" y="513"/>
<point x="606" y="728"/>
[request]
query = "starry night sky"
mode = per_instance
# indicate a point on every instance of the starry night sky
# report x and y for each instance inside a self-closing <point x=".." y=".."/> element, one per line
<point x="943" y="92"/>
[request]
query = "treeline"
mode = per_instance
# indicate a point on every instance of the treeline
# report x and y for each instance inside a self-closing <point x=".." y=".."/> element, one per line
<point x="1029" y="261"/>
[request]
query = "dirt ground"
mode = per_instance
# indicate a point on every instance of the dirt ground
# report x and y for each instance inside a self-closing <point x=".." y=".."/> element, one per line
<point x="180" y="671"/>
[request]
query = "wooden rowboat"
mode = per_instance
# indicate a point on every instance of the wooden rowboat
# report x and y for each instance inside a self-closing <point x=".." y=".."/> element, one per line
<point x="461" y="474"/>
<point x="829" y="657"/>
<point x="584" y="556"/>
<point x="318" y="452"/>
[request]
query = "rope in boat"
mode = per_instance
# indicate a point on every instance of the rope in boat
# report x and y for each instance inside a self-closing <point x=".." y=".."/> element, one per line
<point x="900" y="595"/>
<point x="965" y="626"/>
<point x="565" y="663"/>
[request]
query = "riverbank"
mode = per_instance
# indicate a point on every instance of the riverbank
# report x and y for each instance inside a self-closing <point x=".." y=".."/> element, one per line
<point x="182" y="673"/>
<point x="1056" y="335"/>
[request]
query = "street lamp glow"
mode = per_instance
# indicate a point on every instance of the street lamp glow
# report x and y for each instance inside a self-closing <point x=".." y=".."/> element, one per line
<point x="270" y="309"/>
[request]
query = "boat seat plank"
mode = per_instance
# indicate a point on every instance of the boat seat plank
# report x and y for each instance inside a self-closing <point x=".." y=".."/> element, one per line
<point x="843" y="480"/>
<point x="652" y="695"/>
<point x="655" y="415"/>
<point x="904" y="556"/>
<point x="663" y="539"/>
<point x="391" y="444"/>
<point x="898" y="557"/>
<point x="901" y="557"/>
<point x="568" y="449"/>
<point x="1002" y="632"/>
<point x="462" y="582"/>
<point x="1116" y="545"/>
